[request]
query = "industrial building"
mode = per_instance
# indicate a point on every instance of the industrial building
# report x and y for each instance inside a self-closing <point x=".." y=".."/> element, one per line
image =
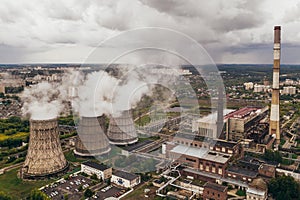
<point x="214" y="191"/>
<point x="258" y="190"/>
<point x="103" y="172"/>
<point x="240" y="123"/>
<point x="208" y="161"/>
<point x="237" y="123"/>
<point x="243" y="171"/>
<point x="221" y="146"/>
<point x="207" y="126"/>
<point x="45" y="156"/>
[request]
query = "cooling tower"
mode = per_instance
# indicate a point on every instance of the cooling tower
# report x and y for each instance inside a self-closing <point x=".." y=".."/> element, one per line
<point x="121" y="130"/>
<point x="91" y="140"/>
<point x="45" y="156"/>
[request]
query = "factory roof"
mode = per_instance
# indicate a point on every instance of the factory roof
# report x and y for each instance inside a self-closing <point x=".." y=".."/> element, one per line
<point x="243" y="112"/>
<point x="215" y="186"/>
<point x="194" y="137"/>
<point x="252" y="190"/>
<point x="125" y="175"/>
<point x="249" y="165"/>
<point x="242" y="171"/>
<point x="201" y="153"/>
<point x="190" y="136"/>
<point x="212" y="118"/>
<point x="226" y="143"/>
<point x="94" y="165"/>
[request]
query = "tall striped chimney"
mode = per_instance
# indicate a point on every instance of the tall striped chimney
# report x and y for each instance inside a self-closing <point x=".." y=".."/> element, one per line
<point x="274" y="116"/>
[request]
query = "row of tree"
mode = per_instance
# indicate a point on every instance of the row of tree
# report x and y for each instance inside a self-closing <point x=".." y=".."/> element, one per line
<point x="15" y="124"/>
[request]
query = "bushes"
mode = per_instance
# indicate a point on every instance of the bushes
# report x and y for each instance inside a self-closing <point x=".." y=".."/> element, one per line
<point x="241" y="193"/>
<point x="4" y="196"/>
<point x="11" y="143"/>
<point x="10" y="131"/>
<point x="88" y="193"/>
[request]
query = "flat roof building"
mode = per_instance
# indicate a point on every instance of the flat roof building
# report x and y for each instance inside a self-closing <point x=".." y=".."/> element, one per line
<point x="125" y="179"/>
<point x="200" y="158"/>
<point x="102" y="171"/>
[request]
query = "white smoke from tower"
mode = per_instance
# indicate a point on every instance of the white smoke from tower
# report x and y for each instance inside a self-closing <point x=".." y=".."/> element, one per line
<point x="93" y="94"/>
<point x="46" y="100"/>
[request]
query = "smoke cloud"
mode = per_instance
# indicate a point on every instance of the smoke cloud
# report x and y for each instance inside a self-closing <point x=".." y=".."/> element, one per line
<point x="41" y="102"/>
<point x="91" y="95"/>
<point x="46" y="100"/>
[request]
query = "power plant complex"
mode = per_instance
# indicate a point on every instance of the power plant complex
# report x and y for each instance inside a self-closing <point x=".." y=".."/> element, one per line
<point x="46" y="158"/>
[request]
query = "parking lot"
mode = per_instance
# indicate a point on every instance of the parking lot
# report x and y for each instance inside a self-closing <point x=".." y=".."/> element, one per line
<point x="71" y="188"/>
<point x="68" y="187"/>
<point x="111" y="191"/>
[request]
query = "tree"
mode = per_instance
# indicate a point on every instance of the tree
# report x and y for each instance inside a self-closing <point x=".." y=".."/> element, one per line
<point x="273" y="155"/>
<point x="38" y="195"/>
<point x="94" y="177"/>
<point x="284" y="188"/>
<point x="88" y="193"/>
<point x="67" y="177"/>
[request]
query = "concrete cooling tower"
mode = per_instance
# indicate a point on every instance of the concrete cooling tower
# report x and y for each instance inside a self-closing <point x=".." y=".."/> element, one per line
<point x="45" y="156"/>
<point x="121" y="130"/>
<point x="91" y="140"/>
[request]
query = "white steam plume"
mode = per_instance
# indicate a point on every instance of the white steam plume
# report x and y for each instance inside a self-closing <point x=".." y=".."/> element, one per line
<point x="46" y="100"/>
<point x="41" y="102"/>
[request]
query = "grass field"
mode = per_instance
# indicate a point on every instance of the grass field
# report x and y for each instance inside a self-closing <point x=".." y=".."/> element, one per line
<point x="16" y="187"/>
<point x="20" y="135"/>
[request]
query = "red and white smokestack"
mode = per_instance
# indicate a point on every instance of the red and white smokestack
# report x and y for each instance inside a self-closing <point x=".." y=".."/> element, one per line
<point x="274" y="116"/>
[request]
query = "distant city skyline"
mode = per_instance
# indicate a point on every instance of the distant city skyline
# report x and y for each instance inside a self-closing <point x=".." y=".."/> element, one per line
<point x="66" y="32"/>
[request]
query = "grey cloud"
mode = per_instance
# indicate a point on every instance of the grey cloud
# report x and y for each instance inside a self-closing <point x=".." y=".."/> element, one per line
<point x="49" y="25"/>
<point x="9" y="54"/>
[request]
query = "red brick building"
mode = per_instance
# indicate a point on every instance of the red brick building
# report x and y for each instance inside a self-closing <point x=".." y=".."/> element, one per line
<point x="199" y="158"/>
<point x="213" y="191"/>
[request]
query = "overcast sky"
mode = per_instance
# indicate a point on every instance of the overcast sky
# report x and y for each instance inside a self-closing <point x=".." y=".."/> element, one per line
<point x="232" y="31"/>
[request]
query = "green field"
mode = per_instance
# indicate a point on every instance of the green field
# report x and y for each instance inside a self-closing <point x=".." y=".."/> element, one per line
<point x="16" y="187"/>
